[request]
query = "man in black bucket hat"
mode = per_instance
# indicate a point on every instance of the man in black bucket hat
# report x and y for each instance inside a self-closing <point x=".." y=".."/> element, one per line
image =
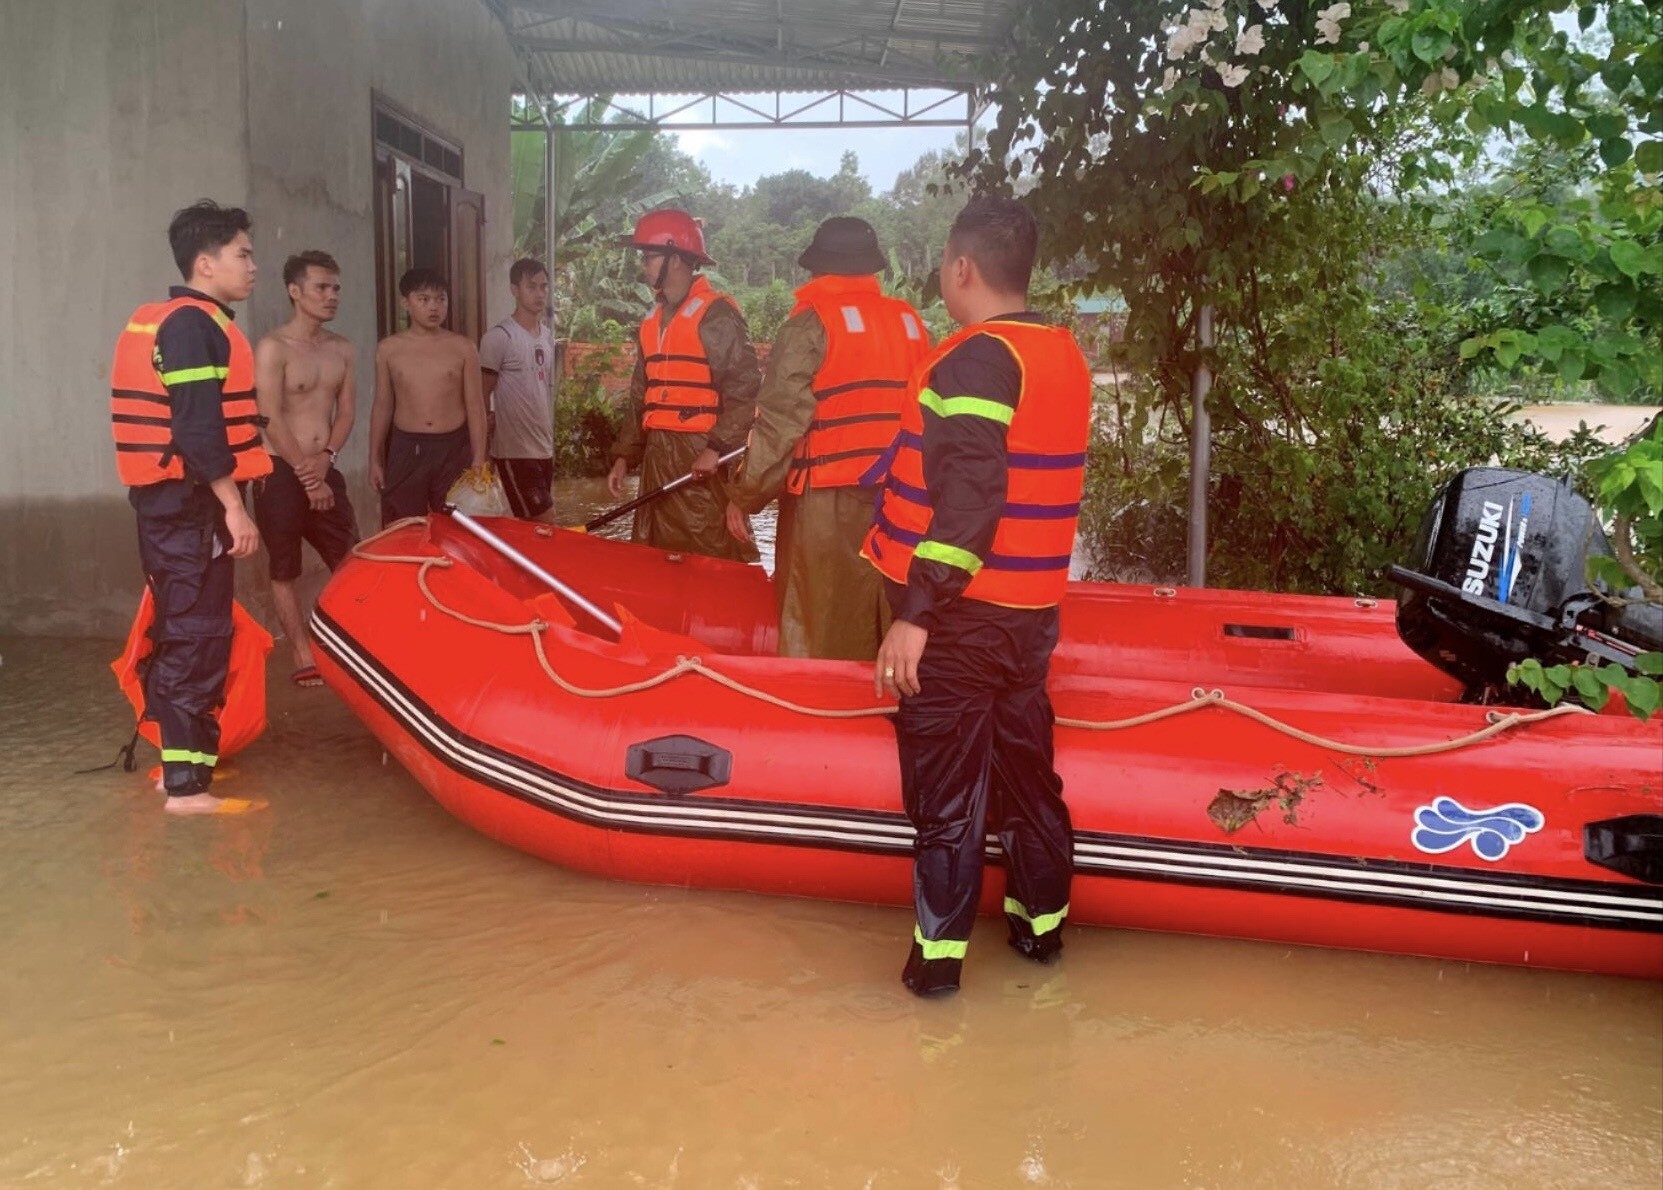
<point x="828" y="409"/>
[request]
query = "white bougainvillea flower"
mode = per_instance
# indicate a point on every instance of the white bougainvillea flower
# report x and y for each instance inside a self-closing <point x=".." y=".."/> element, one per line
<point x="1169" y="80"/>
<point x="1268" y="5"/>
<point x="1232" y="75"/>
<point x="1251" y="40"/>
<point x="1398" y="6"/>
<point x="1184" y="39"/>
<point x="1328" y="23"/>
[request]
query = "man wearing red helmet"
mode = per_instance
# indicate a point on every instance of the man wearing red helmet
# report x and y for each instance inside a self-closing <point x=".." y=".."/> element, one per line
<point x="693" y="395"/>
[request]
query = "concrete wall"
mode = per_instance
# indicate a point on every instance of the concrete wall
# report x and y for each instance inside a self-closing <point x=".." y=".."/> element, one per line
<point x="99" y="144"/>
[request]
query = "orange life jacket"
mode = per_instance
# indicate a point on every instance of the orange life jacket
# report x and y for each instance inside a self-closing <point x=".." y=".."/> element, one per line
<point x="873" y="343"/>
<point x="681" y="392"/>
<point x="140" y="413"/>
<point x="1027" y="565"/>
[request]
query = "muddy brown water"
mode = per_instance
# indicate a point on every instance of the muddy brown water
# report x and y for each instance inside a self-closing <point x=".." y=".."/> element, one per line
<point x="351" y="989"/>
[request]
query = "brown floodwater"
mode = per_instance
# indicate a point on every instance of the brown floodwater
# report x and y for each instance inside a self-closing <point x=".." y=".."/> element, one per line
<point x="351" y="989"/>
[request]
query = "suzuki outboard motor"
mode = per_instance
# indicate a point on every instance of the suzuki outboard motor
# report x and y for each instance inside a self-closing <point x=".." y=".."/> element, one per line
<point x="1501" y="575"/>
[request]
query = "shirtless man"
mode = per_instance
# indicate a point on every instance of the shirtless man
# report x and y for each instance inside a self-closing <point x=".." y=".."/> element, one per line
<point x="427" y="425"/>
<point x="303" y="377"/>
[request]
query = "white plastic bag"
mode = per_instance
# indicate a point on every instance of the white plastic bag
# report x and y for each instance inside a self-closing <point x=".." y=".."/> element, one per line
<point x="478" y="492"/>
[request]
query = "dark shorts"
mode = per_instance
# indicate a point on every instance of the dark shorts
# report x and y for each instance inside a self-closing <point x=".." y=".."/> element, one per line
<point x="285" y="518"/>
<point x="420" y="471"/>
<point x="529" y="484"/>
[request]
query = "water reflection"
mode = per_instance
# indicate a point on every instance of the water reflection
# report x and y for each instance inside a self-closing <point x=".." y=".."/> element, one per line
<point x="353" y="990"/>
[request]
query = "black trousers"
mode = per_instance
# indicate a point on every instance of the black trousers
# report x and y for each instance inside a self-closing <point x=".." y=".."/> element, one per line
<point x="192" y="582"/>
<point x="977" y="756"/>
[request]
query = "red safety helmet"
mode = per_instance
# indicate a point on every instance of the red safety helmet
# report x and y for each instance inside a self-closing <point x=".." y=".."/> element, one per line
<point x="673" y="229"/>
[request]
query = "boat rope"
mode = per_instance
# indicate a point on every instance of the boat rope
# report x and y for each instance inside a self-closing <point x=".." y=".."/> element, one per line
<point x="1200" y="698"/>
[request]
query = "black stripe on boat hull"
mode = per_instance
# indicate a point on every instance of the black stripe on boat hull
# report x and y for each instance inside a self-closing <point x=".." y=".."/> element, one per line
<point x="1392" y="883"/>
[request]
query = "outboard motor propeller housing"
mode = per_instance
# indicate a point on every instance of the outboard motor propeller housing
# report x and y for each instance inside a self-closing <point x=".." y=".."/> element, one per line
<point x="1501" y="575"/>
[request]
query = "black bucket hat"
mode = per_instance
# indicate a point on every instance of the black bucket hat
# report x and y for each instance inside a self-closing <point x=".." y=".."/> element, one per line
<point x="846" y="246"/>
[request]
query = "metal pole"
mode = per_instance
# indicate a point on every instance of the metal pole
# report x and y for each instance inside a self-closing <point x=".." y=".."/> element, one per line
<point x="531" y="568"/>
<point x="1201" y="432"/>
<point x="550" y="143"/>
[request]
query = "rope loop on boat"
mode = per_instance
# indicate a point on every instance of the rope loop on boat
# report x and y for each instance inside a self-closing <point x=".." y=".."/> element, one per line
<point x="1200" y="697"/>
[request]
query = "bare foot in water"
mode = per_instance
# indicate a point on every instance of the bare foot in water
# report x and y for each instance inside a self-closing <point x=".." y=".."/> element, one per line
<point x="207" y="803"/>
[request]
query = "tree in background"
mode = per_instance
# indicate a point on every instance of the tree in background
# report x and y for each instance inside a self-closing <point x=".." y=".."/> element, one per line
<point x="1272" y="158"/>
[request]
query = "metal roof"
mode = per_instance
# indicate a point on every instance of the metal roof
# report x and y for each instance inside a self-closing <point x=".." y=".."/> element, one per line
<point x="637" y="47"/>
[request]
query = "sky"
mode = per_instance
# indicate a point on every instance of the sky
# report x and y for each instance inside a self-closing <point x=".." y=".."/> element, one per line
<point x="744" y="156"/>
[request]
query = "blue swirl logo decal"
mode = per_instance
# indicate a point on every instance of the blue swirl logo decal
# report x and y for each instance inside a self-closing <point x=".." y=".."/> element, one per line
<point x="1446" y="824"/>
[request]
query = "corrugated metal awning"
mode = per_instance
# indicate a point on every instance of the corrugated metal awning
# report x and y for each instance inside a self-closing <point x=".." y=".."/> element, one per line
<point x="637" y="47"/>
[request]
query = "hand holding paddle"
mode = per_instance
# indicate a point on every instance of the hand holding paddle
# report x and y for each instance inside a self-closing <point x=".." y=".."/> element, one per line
<point x="620" y="468"/>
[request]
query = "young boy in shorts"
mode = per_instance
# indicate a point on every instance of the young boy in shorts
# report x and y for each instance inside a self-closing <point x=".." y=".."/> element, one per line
<point x="427" y="425"/>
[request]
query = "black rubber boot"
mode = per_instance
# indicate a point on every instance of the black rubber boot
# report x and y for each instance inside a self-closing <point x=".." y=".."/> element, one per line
<point x="1046" y="948"/>
<point x="931" y="977"/>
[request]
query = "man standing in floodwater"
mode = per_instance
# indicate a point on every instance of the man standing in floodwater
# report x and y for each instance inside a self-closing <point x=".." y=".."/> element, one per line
<point x="693" y="396"/>
<point x="308" y="395"/>
<point x="516" y="356"/>
<point x="186" y="431"/>
<point x="973" y="532"/>
<point x="427" y="425"/>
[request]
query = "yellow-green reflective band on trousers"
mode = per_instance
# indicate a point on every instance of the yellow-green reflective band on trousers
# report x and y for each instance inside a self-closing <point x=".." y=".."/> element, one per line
<point x="185" y="756"/>
<point x="934" y="551"/>
<point x="191" y="375"/>
<point x="1043" y="924"/>
<point x="940" y="948"/>
<point x="974" y="406"/>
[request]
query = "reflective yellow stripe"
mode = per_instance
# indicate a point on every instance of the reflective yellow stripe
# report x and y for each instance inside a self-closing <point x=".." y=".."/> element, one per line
<point x="934" y="551"/>
<point x="219" y="317"/>
<point x="939" y="948"/>
<point x="974" y="406"/>
<point x="191" y="375"/>
<point x="185" y="756"/>
<point x="1043" y="924"/>
<point x="144" y="328"/>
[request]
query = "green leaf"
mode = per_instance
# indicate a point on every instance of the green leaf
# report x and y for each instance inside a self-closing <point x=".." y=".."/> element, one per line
<point x="1629" y="257"/>
<point x="1429" y="44"/>
<point x="1471" y="347"/>
<point x="1615" y="150"/>
<point x="1617" y="74"/>
<point x="1552" y="341"/>
<point x="1648" y="157"/>
<point x="1572" y="365"/>
<point x="1615" y="300"/>
<point x="1549" y="273"/>
<point x="1649" y="663"/>
<point x="1565" y="241"/>
<point x="1316" y="65"/>
<point x="1336" y="130"/>
<point x="1588" y="684"/>
<point x="1606" y="125"/>
<point x="1618" y="378"/>
<point x="1533" y="220"/>
<point x="1643" y="696"/>
<point x="1559" y="675"/>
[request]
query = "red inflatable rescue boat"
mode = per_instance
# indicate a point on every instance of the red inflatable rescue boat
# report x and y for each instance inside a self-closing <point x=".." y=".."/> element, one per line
<point x="1237" y="764"/>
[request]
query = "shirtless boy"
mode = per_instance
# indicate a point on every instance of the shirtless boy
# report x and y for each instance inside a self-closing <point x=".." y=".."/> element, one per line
<point x="427" y="425"/>
<point x="303" y="376"/>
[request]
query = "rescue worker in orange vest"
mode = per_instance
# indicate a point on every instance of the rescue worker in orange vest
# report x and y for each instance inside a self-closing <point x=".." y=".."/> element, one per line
<point x="187" y="433"/>
<point x="829" y="407"/>
<point x="693" y="395"/>
<point x="973" y="532"/>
